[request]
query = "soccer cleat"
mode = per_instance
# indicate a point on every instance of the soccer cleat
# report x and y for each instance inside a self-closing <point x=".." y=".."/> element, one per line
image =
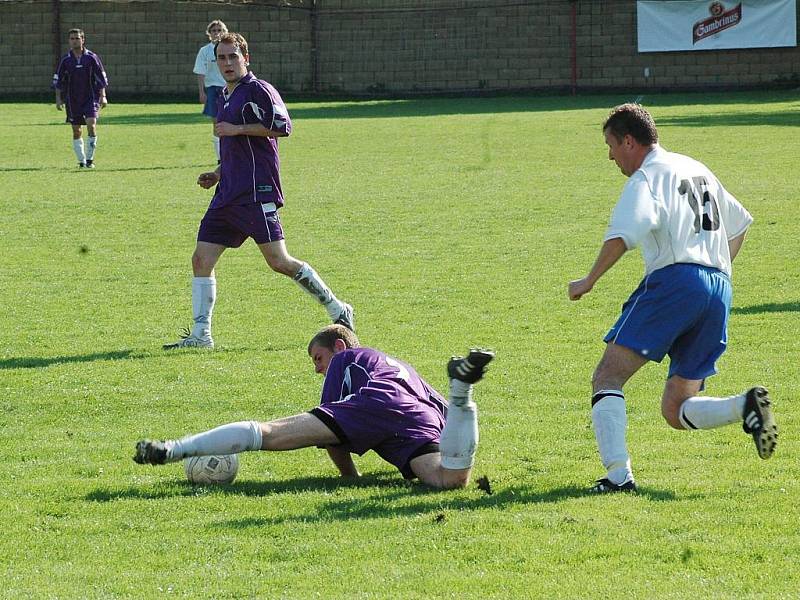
<point x="89" y="163"/>
<point x="81" y="165"/>
<point x="346" y="317"/>
<point x="150" y="452"/>
<point x="606" y="486"/>
<point x="189" y="341"/>
<point x="758" y="421"/>
<point x="471" y="368"/>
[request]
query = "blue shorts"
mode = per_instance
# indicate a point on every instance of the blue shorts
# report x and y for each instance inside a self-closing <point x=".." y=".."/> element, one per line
<point x="680" y="311"/>
<point x="212" y="94"/>
<point x="230" y="226"/>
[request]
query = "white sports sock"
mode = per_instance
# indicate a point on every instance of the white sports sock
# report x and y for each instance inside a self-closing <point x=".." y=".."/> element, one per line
<point x="460" y="392"/>
<point x="77" y="146"/>
<point x="700" y="412"/>
<point x="308" y="279"/>
<point x="232" y="438"/>
<point x="459" y="438"/>
<point x="215" y="141"/>
<point x="204" y="294"/>
<point x="90" y="147"/>
<point x="610" y="422"/>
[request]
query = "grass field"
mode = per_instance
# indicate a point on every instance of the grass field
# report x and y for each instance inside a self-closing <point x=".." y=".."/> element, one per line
<point x="446" y="223"/>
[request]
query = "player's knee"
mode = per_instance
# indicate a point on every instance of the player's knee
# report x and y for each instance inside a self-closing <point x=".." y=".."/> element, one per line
<point x="671" y="412"/>
<point x="454" y="479"/>
<point x="201" y="264"/>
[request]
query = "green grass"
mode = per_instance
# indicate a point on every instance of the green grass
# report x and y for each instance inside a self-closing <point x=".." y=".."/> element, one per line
<point x="446" y="223"/>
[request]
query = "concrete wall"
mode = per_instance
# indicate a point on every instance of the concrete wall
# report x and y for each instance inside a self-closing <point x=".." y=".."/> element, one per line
<point x="375" y="47"/>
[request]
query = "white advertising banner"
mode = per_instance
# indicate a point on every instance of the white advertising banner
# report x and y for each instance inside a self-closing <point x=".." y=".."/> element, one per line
<point x="671" y="25"/>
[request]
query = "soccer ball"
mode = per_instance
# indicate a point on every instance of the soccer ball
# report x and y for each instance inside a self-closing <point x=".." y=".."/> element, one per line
<point x="206" y="470"/>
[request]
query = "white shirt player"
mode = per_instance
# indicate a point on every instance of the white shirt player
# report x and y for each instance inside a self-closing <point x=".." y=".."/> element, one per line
<point x="678" y="212"/>
<point x="206" y="65"/>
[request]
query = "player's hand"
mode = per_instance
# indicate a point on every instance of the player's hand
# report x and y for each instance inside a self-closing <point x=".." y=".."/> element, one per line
<point x="202" y="97"/>
<point x="207" y="180"/>
<point x="103" y="103"/>
<point x="223" y="128"/>
<point x="578" y="288"/>
<point x="59" y="106"/>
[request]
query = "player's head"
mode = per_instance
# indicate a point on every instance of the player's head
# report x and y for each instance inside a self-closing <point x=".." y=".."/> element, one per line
<point x="327" y="342"/>
<point x="76" y="38"/>
<point x="232" y="56"/>
<point x="630" y="133"/>
<point x="633" y="120"/>
<point x="216" y="29"/>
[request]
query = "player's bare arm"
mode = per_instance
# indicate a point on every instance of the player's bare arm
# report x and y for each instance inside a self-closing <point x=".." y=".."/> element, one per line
<point x="611" y="251"/>
<point x="223" y="128"/>
<point x="343" y="460"/>
<point x="59" y="102"/>
<point x="735" y="244"/>
<point x="208" y="179"/>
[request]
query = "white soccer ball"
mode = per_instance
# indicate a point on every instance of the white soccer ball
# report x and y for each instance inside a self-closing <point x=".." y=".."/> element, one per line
<point x="206" y="470"/>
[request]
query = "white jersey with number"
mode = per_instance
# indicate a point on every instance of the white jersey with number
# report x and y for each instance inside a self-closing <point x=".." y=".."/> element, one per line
<point x="678" y="212"/>
<point x="206" y="65"/>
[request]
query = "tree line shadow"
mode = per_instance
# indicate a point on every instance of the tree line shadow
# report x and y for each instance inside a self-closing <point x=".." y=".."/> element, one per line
<point x="422" y="106"/>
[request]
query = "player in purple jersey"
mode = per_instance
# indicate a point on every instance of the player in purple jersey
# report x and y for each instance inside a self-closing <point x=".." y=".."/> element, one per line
<point x="80" y="83"/>
<point x="250" y="119"/>
<point x="370" y="401"/>
<point x="690" y="229"/>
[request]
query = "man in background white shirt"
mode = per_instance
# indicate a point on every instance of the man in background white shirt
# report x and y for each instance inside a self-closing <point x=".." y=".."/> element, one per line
<point x="209" y="79"/>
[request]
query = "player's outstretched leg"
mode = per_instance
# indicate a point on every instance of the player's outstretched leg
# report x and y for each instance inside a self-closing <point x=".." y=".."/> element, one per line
<point x="758" y="421"/>
<point x="231" y="438"/>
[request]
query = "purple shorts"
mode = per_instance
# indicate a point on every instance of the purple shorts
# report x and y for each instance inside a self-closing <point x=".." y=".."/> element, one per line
<point x="398" y="436"/>
<point x="230" y="226"/>
<point x="77" y="114"/>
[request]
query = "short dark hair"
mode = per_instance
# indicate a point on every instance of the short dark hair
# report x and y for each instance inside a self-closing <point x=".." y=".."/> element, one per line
<point x="632" y="119"/>
<point x="327" y="336"/>
<point x="76" y="30"/>
<point x="237" y="39"/>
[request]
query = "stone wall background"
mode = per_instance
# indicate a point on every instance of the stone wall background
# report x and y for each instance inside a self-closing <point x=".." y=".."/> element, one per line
<point x="362" y="47"/>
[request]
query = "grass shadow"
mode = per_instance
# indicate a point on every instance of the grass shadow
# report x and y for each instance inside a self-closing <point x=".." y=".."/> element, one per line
<point x="42" y="362"/>
<point x="769" y="307"/>
<point x="748" y="119"/>
<point x="391" y="497"/>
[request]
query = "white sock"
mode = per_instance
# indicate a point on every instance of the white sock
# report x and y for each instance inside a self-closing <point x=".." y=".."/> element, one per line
<point x="312" y="283"/>
<point x="215" y="141"/>
<point x="460" y="392"/>
<point x="204" y="294"/>
<point x="459" y="438"/>
<point x="90" y="148"/>
<point x="700" y="412"/>
<point x="77" y="145"/>
<point x="610" y="422"/>
<point x="232" y="438"/>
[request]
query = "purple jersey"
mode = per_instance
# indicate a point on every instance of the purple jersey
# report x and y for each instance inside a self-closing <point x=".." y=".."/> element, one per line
<point x="80" y="79"/>
<point x="250" y="167"/>
<point x="380" y="403"/>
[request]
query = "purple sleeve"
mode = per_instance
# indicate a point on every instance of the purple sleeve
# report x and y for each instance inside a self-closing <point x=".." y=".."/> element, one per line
<point x="332" y="386"/>
<point x="59" y="81"/>
<point x="99" y="78"/>
<point x="272" y="112"/>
